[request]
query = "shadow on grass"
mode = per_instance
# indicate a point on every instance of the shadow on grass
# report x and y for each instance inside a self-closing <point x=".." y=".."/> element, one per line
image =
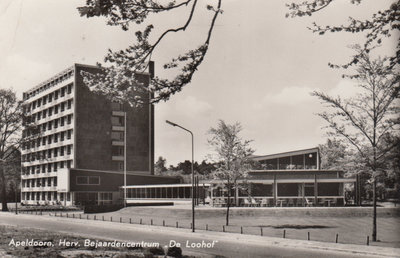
<point x="300" y="226"/>
<point x="293" y="226"/>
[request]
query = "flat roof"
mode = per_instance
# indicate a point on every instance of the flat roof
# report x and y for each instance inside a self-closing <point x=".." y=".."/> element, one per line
<point x="162" y="186"/>
<point x="286" y="154"/>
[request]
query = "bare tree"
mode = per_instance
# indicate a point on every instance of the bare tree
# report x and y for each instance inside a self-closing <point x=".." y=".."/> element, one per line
<point x="369" y="122"/>
<point x="126" y="64"/>
<point x="383" y="24"/>
<point x="232" y="153"/>
<point x="10" y="126"/>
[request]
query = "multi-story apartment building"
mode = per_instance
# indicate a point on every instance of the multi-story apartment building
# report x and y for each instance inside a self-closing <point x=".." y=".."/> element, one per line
<point x="77" y="129"/>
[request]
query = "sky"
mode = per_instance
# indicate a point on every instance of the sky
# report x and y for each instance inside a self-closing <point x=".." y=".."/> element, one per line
<point x="259" y="70"/>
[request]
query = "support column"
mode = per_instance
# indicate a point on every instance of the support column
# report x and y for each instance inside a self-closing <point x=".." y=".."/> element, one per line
<point x="275" y="190"/>
<point x="211" y="195"/>
<point x="315" y="190"/>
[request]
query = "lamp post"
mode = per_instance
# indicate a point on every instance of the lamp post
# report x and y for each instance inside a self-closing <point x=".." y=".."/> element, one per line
<point x="173" y="124"/>
<point x="125" y="158"/>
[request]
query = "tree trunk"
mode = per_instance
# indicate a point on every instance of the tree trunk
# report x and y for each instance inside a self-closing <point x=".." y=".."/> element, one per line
<point x="3" y="190"/>
<point x="374" y="215"/>
<point x="228" y="206"/>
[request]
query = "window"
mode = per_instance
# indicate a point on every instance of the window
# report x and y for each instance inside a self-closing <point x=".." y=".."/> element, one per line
<point x="51" y="111"/>
<point x="94" y="180"/>
<point x="56" y="137"/>
<point x="49" y="139"/>
<point x="68" y="149"/>
<point x="56" y="109"/>
<point x="50" y="97"/>
<point x="49" y="154"/>
<point x="69" y="119"/>
<point x="63" y="91"/>
<point x="62" y="136"/>
<point x="62" y="121"/>
<point x="56" y="95"/>
<point x="116" y="106"/>
<point x="69" y="104"/>
<point x="117" y="120"/>
<point x="87" y="180"/>
<point x="82" y="180"/>
<point x="69" y="88"/>
<point x="68" y="164"/>
<point x="49" y="167"/>
<point x="120" y="166"/>
<point x="62" y="164"/>
<point x="55" y="152"/>
<point x="49" y="181"/>
<point x="62" y="106"/>
<point x="119" y="136"/>
<point x="117" y="151"/>
<point x="49" y="125"/>
<point x="44" y="141"/>
<point x="62" y="151"/>
<point x="44" y="100"/>
<point x="69" y="134"/>
<point x="55" y="166"/>
<point x="56" y="123"/>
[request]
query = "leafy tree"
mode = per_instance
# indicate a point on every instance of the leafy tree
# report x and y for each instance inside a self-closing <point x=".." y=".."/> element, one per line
<point x="159" y="167"/>
<point x="232" y="153"/>
<point x="368" y="122"/>
<point x="333" y="154"/>
<point x="206" y="168"/>
<point x="383" y="24"/>
<point x="10" y="126"/>
<point x="125" y="64"/>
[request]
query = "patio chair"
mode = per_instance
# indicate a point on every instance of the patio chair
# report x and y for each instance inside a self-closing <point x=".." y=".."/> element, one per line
<point x="254" y="202"/>
<point x="309" y="202"/>
<point x="247" y="202"/>
<point x="264" y="202"/>
<point x="291" y="202"/>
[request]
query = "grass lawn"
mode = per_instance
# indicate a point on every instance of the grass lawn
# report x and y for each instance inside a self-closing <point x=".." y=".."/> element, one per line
<point x="350" y="230"/>
<point x="22" y="234"/>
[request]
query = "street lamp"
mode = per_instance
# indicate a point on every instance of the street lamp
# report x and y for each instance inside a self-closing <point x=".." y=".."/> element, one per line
<point x="125" y="158"/>
<point x="173" y="124"/>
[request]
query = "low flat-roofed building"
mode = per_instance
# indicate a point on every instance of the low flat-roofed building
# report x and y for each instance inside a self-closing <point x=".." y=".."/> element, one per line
<point x="292" y="178"/>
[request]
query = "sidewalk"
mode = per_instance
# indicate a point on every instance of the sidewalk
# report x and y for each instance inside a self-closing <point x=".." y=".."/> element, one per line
<point x="236" y="239"/>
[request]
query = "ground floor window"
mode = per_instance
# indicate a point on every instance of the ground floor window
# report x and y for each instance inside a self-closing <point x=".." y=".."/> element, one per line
<point x="105" y="198"/>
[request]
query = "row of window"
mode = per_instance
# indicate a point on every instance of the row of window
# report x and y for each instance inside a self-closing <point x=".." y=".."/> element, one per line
<point x="40" y="182"/>
<point x="49" y="167"/>
<point x="48" y="153"/>
<point x="87" y="180"/>
<point x="49" y="97"/>
<point x="50" y="84"/>
<point x="54" y="110"/>
<point x="49" y="139"/>
<point x="44" y="196"/>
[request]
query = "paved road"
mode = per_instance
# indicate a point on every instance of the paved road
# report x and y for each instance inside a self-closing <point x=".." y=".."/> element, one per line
<point x="228" y="245"/>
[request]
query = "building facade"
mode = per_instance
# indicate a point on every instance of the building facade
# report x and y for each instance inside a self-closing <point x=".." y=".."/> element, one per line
<point x="292" y="178"/>
<point x="78" y="129"/>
